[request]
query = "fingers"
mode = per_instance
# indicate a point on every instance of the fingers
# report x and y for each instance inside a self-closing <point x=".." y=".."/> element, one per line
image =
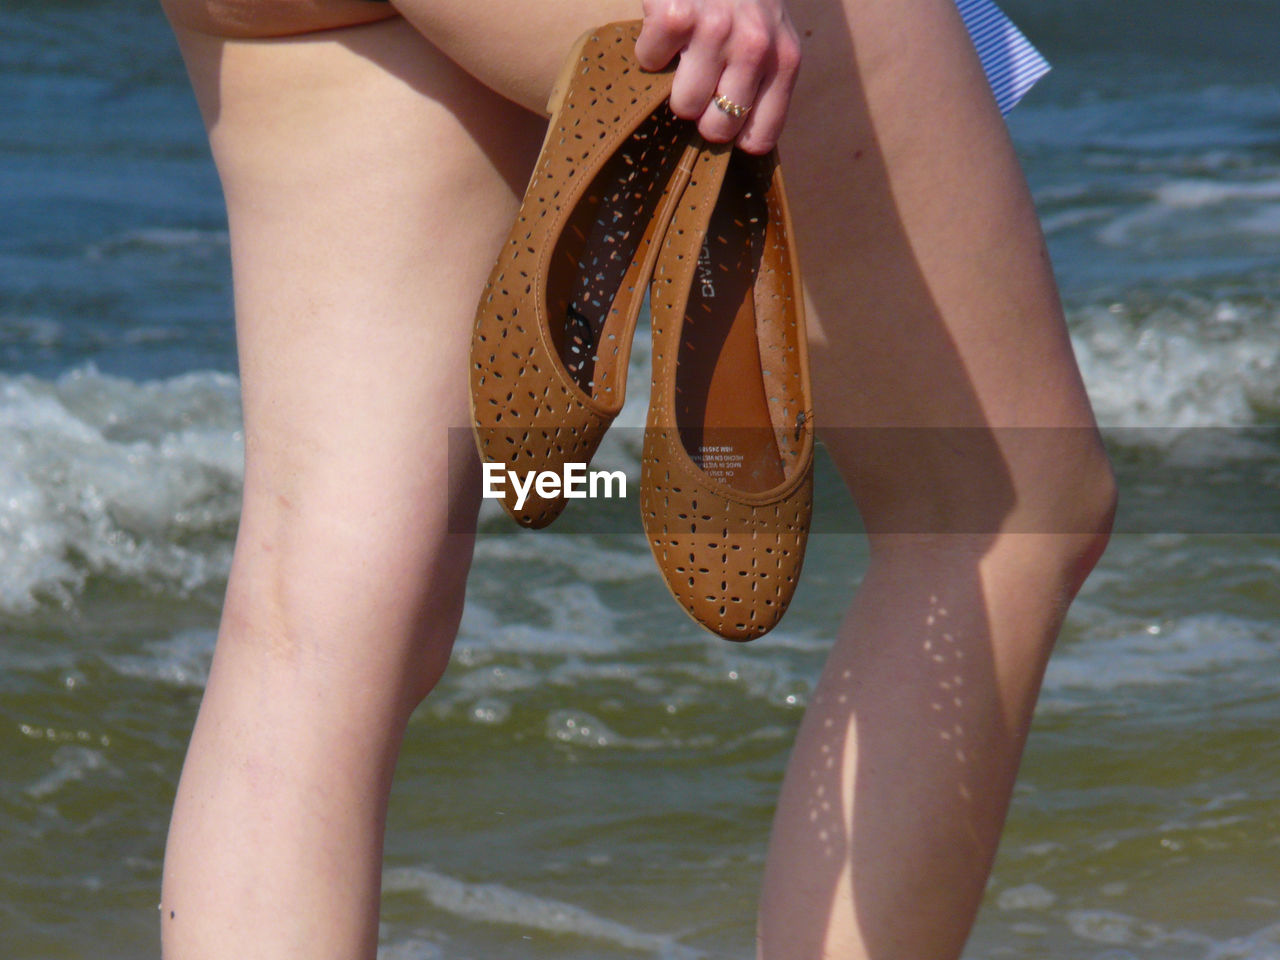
<point x="702" y="62"/>
<point x="763" y="125"/>
<point x="732" y="103"/>
<point x="738" y="65"/>
<point x="667" y="29"/>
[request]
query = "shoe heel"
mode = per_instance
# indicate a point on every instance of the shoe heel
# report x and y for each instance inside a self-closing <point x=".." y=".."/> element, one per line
<point x="559" y="89"/>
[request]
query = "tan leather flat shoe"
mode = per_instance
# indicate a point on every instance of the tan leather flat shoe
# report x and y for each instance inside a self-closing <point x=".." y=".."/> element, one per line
<point x="727" y="474"/>
<point x="554" y="326"/>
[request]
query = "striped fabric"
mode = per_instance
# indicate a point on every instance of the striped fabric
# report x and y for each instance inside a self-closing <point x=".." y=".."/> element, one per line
<point x="1012" y="64"/>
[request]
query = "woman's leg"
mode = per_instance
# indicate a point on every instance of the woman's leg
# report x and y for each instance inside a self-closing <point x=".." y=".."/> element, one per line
<point x="948" y="396"/>
<point x="369" y="183"/>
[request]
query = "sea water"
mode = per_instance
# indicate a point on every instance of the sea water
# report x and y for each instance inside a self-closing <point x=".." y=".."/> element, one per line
<point x="595" y="777"/>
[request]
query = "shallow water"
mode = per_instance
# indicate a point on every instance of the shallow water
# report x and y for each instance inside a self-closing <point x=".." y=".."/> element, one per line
<point x="595" y="778"/>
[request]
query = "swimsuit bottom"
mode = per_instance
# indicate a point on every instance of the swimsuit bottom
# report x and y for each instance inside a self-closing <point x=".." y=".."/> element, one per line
<point x="1011" y="63"/>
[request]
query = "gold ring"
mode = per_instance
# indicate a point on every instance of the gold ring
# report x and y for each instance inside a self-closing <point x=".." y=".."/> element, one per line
<point x="726" y="105"/>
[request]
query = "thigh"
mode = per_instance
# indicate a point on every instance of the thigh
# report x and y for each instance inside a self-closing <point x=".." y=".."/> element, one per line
<point x="515" y="47"/>
<point x="945" y="384"/>
<point x="919" y="237"/>
<point x="369" y="184"/>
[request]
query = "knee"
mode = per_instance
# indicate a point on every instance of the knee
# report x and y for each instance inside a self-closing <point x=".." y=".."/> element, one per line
<point x="970" y="489"/>
<point x="373" y="620"/>
<point x="1089" y="498"/>
<point x="431" y="642"/>
<point x="1069" y="500"/>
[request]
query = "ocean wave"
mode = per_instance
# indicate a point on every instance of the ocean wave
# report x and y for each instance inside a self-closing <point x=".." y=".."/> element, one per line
<point x="615" y="696"/>
<point x="1113" y="934"/>
<point x="558" y="620"/>
<point x="160" y="240"/>
<point x="1123" y="930"/>
<point x="103" y="475"/>
<point x="414" y="948"/>
<point x="181" y="660"/>
<point x="492" y="903"/>
<point x="1180" y="363"/>
<point x="1194" y="216"/>
<point x="1116" y="653"/>
<point x="70" y="764"/>
<point x="140" y="481"/>
<point x="589" y="560"/>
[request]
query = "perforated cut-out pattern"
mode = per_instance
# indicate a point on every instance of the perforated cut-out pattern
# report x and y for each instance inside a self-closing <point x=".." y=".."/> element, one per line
<point x="611" y="230"/>
<point x="730" y="556"/>
<point x="554" y="325"/>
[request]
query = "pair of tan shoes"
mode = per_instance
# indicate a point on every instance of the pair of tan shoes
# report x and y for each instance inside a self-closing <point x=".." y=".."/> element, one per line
<point x="627" y="197"/>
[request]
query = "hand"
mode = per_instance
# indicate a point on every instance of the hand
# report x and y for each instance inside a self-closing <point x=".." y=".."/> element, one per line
<point x="743" y="51"/>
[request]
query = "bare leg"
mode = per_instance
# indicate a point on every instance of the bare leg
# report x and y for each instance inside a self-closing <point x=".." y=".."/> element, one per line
<point x="939" y="323"/>
<point x="367" y="192"/>
<point x="936" y="308"/>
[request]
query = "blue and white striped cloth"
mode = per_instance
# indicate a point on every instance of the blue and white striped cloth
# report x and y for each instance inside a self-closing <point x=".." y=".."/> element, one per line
<point x="1012" y="64"/>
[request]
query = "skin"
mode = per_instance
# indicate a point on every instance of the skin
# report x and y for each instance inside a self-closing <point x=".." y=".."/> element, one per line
<point x="944" y="388"/>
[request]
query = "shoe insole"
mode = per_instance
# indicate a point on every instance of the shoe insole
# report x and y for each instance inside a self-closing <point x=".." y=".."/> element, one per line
<point x="722" y="407"/>
<point x="593" y="289"/>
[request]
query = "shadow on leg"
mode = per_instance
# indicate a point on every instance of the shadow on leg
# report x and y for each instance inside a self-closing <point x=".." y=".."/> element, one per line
<point x="946" y="391"/>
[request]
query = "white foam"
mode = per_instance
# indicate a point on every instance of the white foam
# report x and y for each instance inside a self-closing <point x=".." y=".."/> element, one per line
<point x="498" y="679"/>
<point x="1114" y="935"/>
<point x="779" y="681"/>
<point x="1264" y="220"/>
<point x="1196" y="194"/>
<point x="1028" y="896"/>
<point x="181" y="661"/>
<point x="574" y="620"/>
<point x="1179" y="214"/>
<point x="1119" y="929"/>
<point x="159" y="239"/>
<point x="1262" y="945"/>
<point x="1121" y="654"/>
<point x="101" y="475"/>
<point x="1058" y="221"/>
<point x="493" y="903"/>
<point x="575" y="609"/>
<point x="1209" y="365"/>
<point x="475" y="647"/>
<point x="412" y="949"/>
<point x="70" y="764"/>
<point x="585" y="557"/>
